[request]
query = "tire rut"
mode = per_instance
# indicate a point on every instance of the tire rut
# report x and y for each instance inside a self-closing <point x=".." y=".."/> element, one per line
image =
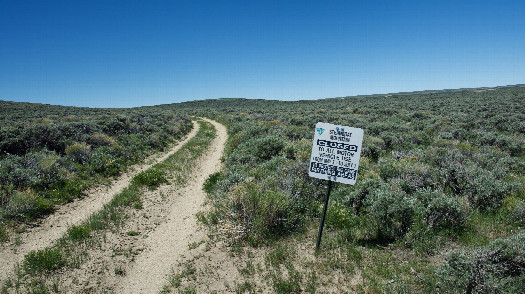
<point x="168" y="243"/>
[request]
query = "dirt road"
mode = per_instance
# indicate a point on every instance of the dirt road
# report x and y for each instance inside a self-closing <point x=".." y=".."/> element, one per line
<point x="55" y="226"/>
<point x="169" y="241"/>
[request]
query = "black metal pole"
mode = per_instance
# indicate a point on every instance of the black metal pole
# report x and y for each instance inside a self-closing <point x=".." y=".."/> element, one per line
<point x="320" y="234"/>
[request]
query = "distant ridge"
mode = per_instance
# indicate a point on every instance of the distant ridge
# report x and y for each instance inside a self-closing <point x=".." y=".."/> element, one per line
<point x="478" y="89"/>
<point x="5" y="104"/>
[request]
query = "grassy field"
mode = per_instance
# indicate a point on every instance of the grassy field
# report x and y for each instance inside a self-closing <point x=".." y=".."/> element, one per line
<point x="438" y="207"/>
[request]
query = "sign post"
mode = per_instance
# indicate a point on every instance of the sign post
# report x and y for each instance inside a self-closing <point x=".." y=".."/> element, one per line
<point x="321" y="225"/>
<point x="335" y="157"/>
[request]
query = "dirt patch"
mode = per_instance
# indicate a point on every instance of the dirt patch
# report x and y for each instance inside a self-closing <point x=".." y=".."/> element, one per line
<point x="53" y="227"/>
<point x="289" y="265"/>
<point x="170" y="240"/>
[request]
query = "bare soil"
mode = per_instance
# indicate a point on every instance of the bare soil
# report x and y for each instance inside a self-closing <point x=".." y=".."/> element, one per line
<point x="170" y="240"/>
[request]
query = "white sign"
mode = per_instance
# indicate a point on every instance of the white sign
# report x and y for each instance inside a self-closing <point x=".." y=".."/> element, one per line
<point x="335" y="153"/>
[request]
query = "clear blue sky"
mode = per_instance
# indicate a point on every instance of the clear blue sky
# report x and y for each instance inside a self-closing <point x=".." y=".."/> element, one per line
<point x="132" y="53"/>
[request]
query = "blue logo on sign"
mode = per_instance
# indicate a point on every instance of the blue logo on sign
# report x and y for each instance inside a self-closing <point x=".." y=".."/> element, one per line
<point x="320" y="131"/>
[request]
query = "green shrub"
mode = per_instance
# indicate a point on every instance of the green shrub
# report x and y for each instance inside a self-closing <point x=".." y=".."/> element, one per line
<point x="373" y="147"/>
<point x="53" y="157"/>
<point x="4" y="236"/>
<point x="99" y="139"/>
<point x="52" y="170"/>
<point x="487" y="193"/>
<point x="269" y="213"/>
<point x="518" y="213"/>
<point x="211" y="182"/>
<point x="391" y="212"/>
<point x="151" y="178"/>
<point x="290" y="151"/>
<point x="231" y="178"/>
<point x="268" y="147"/>
<point x="451" y="165"/>
<point x="42" y="261"/>
<point x="79" y="152"/>
<point x="104" y="163"/>
<point x="18" y="171"/>
<point x="239" y="158"/>
<point x="79" y="233"/>
<point x="407" y="172"/>
<point x="339" y="216"/>
<point x="39" y="170"/>
<point x="499" y="163"/>
<point x="267" y="200"/>
<point x="424" y="196"/>
<point x="260" y="214"/>
<point x="434" y="211"/>
<point x="445" y="212"/>
<point x="496" y="268"/>
<point x="355" y="196"/>
<point x="27" y="204"/>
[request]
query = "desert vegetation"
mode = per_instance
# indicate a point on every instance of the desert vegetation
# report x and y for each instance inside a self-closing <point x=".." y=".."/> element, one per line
<point x="441" y="178"/>
<point x="51" y="154"/>
<point x="438" y="207"/>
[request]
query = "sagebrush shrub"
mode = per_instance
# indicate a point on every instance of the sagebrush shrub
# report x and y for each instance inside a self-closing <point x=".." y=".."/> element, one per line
<point x="231" y="178"/>
<point x="423" y="197"/>
<point x="104" y="162"/>
<point x="51" y="170"/>
<point x="485" y="192"/>
<point x="408" y="173"/>
<point x="100" y="139"/>
<point x="19" y="171"/>
<point x="79" y="152"/>
<point x="259" y="214"/>
<point x="340" y="216"/>
<point x="27" y="204"/>
<point x="239" y="158"/>
<point x="391" y="211"/>
<point x="266" y="206"/>
<point x="496" y="268"/>
<point x="268" y="147"/>
<point x="373" y="148"/>
<point x="518" y="213"/>
<point x="355" y="196"/>
<point x="445" y="212"/>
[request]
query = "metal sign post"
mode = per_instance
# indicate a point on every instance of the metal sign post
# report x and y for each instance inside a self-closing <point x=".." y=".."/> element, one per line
<point x="320" y="233"/>
<point x="335" y="157"/>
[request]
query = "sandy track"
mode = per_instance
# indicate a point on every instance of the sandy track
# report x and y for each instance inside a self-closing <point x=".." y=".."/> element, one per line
<point x="55" y="226"/>
<point x="168" y="243"/>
